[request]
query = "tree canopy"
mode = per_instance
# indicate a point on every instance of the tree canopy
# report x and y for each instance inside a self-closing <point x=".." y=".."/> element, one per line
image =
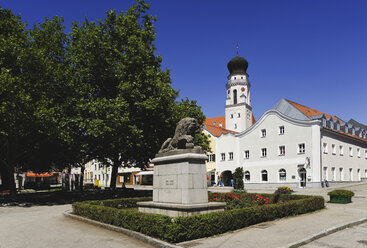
<point x="97" y="92"/>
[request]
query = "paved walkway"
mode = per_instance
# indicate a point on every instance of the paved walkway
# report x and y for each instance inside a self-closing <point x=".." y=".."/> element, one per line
<point x="45" y="226"/>
<point x="354" y="237"/>
<point x="281" y="233"/>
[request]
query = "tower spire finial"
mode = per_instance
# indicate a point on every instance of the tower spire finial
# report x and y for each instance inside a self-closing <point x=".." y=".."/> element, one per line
<point x="237" y="48"/>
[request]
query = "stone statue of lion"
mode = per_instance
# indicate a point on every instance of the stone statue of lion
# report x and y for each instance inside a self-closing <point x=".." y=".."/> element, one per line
<point x="184" y="136"/>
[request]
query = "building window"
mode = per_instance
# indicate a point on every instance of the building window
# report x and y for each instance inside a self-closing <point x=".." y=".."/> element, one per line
<point x="281" y="130"/>
<point x="282" y="175"/>
<point x="351" y="151"/>
<point x="234" y="96"/>
<point x="247" y="154"/>
<point x="263" y="152"/>
<point x="350" y="174"/>
<point x="263" y="133"/>
<point x="247" y="176"/>
<point x="341" y="174"/>
<point x="325" y="148"/>
<point x="239" y="115"/>
<point x="301" y="148"/>
<point x="325" y="173"/>
<point x="223" y="156"/>
<point x="358" y="152"/>
<point x="264" y="176"/>
<point x="359" y="174"/>
<point x="211" y="157"/>
<point x="281" y="150"/>
<point x="365" y="153"/>
<point x="231" y="116"/>
<point x="341" y="149"/>
<point x="333" y="148"/>
<point x="230" y="155"/>
<point x="333" y="175"/>
<point x="365" y="172"/>
<point x="235" y="126"/>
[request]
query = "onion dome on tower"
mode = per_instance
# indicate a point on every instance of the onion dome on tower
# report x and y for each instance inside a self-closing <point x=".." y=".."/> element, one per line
<point x="237" y="65"/>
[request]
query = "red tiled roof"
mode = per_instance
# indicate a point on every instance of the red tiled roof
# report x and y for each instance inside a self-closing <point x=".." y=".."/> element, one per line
<point x="217" y="125"/>
<point x="217" y="131"/>
<point x="310" y="111"/>
<point x="217" y="120"/>
<point x="253" y="119"/>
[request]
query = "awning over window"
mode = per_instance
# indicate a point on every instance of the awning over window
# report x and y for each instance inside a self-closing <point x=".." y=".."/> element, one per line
<point x="32" y="174"/>
<point x="143" y="173"/>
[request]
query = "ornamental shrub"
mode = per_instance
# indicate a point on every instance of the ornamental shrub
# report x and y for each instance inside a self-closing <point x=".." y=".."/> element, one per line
<point x="283" y="190"/>
<point x="193" y="227"/>
<point x="238" y="178"/>
<point x="341" y="192"/>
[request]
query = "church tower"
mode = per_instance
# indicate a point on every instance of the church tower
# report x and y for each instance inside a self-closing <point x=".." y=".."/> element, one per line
<point x="238" y="104"/>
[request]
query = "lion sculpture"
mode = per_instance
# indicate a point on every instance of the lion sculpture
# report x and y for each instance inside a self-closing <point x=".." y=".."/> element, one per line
<point x="184" y="136"/>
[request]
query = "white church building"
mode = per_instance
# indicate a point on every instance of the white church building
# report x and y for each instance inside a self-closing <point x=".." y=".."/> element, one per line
<point x="289" y="145"/>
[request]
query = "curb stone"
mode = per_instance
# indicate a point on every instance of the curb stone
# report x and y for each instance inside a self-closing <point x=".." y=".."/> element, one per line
<point x="324" y="233"/>
<point x="142" y="237"/>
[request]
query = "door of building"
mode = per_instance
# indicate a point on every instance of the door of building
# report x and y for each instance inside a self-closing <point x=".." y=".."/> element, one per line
<point x="302" y="176"/>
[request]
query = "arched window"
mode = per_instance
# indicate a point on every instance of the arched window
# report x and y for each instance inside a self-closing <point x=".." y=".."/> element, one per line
<point x="247" y="176"/>
<point x="282" y="175"/>
<point x="234" y="96"/>
<point x="264" y="175"/>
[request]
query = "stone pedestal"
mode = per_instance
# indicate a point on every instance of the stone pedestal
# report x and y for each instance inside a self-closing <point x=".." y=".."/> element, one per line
<point x="180" y="186"/>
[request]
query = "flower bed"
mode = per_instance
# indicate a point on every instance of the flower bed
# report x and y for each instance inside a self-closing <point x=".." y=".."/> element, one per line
<point x="258" y="208"/>
<point x="243" y="200"/>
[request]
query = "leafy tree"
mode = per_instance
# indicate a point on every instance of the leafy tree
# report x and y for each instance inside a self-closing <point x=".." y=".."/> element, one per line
<point x="31" y="63"/>
<point x="126" y="100"/>
<point x="238" y="178"/>
<point x="98" y="93"/>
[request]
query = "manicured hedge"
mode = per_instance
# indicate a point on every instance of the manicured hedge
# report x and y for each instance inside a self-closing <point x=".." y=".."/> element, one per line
<point x="341" y="192"/>
<point x="193" y="227"/>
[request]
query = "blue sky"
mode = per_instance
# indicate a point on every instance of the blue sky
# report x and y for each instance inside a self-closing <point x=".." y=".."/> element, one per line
<point x="309" y="51"/>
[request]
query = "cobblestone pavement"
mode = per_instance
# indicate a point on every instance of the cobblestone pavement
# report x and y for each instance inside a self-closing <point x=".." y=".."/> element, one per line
<point x="354" y="237"/>
<point x="45" y="226"/>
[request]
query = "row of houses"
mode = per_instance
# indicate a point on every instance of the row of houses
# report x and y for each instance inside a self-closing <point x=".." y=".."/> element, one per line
<point x="290" y="144"/>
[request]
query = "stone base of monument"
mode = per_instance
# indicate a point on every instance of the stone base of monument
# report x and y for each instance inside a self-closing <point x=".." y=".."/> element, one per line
<point x="178" y="210"/>
<point x="180" y="186"/>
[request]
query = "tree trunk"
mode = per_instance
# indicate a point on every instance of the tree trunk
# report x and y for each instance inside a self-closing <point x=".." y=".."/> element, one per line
<point x="4" y="177"/>
<point x="81" y="183"/>
<point x="10" y="174"/>
<point x="115" y="167"/>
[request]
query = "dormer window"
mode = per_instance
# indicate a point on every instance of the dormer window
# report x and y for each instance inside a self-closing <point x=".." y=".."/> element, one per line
<point x="214" y="123"/>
